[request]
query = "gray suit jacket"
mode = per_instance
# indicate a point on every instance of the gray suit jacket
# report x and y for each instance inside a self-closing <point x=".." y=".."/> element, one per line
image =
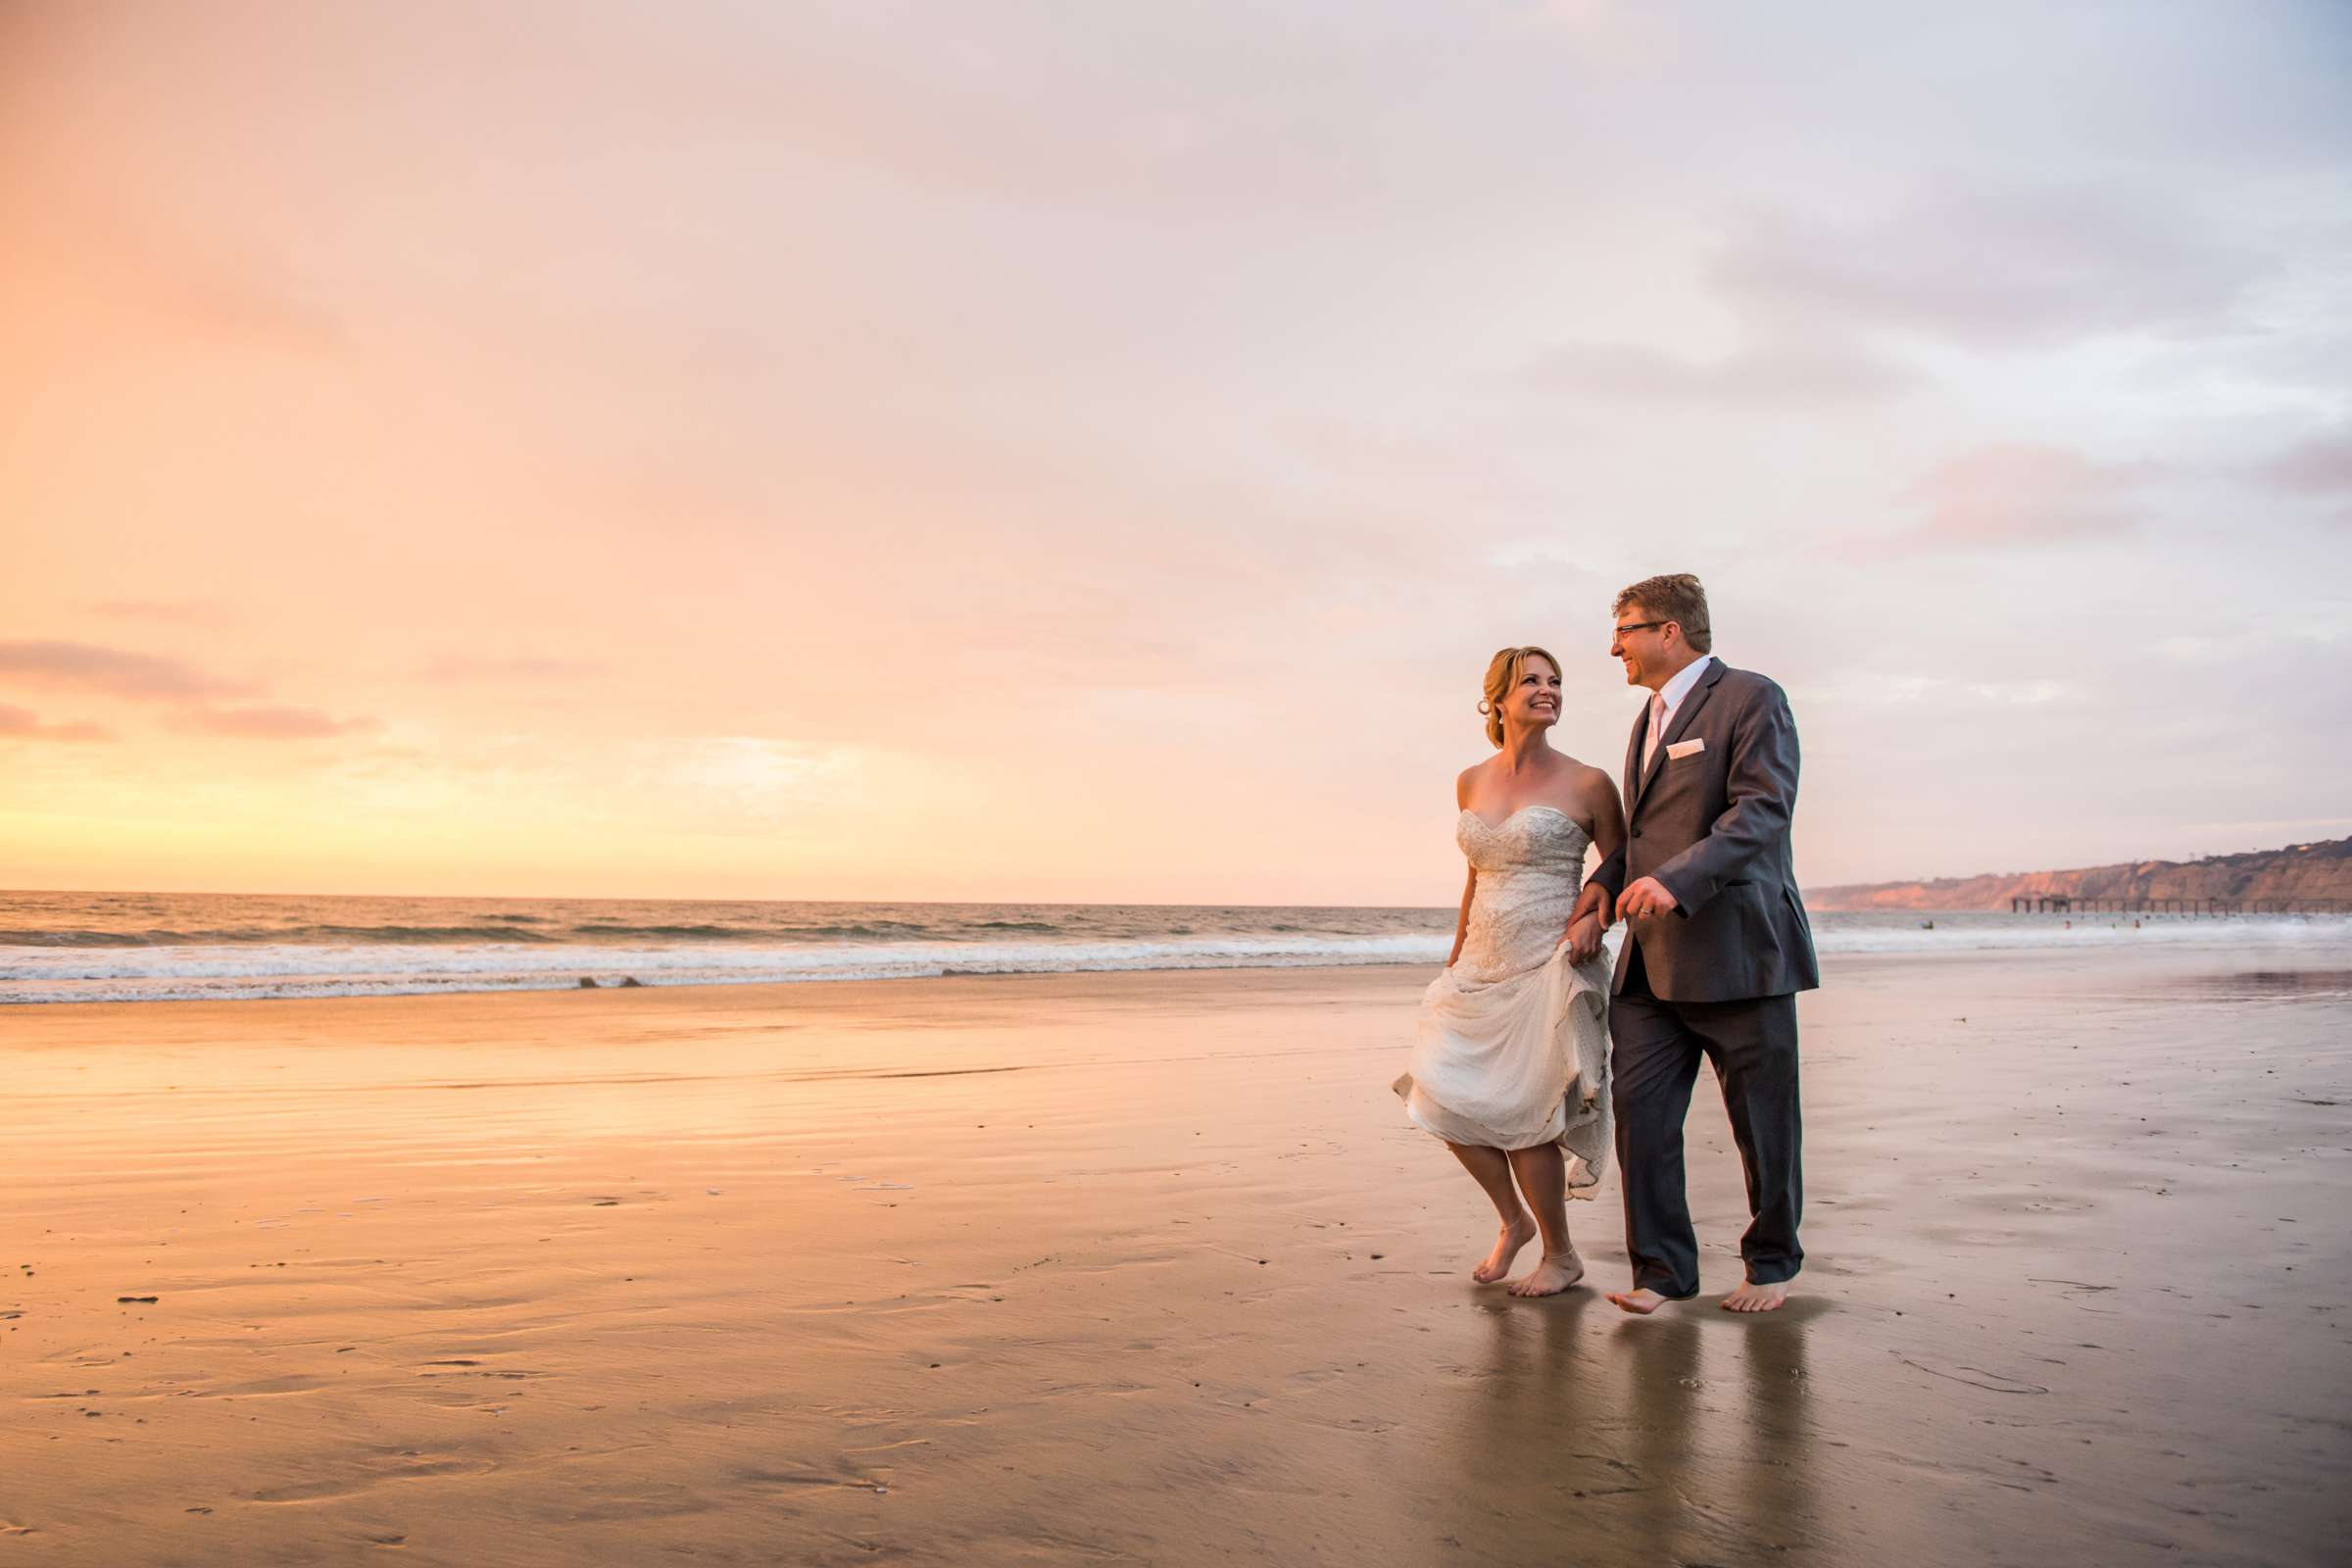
<point x="1712" y="826"/>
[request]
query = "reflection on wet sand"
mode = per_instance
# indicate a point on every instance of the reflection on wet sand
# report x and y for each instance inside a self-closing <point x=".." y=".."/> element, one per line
<point x="1777" y="1495"/>
<point x="1673" y="1460"/>
<point x="1722" y="1477"/>
<point x="1588" y="1437"/>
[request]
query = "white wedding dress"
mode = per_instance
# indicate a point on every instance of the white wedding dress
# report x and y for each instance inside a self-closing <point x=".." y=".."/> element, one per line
<point x="1513" y="1049"/>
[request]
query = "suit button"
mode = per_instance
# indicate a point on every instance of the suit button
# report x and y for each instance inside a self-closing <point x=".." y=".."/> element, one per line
<point x="1637" y="832"/>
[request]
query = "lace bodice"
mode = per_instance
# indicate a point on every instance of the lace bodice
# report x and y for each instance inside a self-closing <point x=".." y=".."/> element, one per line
<point x="1530" y="867"/>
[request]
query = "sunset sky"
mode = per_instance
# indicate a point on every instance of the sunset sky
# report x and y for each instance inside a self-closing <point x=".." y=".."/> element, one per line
<point x="1010" y="451"/>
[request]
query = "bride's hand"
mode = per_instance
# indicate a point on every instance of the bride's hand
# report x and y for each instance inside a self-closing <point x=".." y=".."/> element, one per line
<point x="1584" y="939"/>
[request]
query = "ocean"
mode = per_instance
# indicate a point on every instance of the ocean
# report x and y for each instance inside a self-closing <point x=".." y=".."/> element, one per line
<point x="154" y="946"/>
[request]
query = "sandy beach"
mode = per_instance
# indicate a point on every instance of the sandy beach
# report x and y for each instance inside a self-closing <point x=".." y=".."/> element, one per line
<point x="1148" y="1267"/>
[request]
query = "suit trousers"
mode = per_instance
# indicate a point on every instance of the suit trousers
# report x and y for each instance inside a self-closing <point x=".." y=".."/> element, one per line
<point x="1656" y="1045"/>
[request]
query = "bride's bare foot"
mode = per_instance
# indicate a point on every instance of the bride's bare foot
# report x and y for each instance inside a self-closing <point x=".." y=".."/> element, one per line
<point x="1752" y="1298"/>
<point x="1554" y="1274"/>
<point x="1641" y="1302"/>
<point x="1517" y="1234"/>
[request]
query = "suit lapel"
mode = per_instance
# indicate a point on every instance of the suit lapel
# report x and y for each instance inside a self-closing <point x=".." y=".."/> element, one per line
<point x="1692" y="701"/>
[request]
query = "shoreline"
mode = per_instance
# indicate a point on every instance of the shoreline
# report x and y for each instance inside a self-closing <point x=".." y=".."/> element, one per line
<point x="2178" y="935"/>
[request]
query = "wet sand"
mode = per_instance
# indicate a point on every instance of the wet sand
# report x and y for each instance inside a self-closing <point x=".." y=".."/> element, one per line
<point x="1148" y="1269"/>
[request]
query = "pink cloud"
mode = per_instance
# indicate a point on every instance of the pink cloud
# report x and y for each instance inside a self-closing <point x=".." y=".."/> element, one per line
<point x="2316" y="468"/>
<point x="2017" y="493"/>
<point x="115" y="671"/>
<point x="22" y="723"/>
<point x="1991" y="264"/>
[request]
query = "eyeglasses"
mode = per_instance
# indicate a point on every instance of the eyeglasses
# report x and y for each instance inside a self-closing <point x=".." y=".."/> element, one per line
<point x="1641" y="625"/>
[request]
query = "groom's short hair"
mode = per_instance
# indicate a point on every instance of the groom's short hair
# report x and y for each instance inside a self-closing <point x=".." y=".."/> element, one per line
<point x="1678" y="598"/>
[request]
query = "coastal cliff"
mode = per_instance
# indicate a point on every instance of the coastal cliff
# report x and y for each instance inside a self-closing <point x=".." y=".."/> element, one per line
<point x="2290" y="876"/>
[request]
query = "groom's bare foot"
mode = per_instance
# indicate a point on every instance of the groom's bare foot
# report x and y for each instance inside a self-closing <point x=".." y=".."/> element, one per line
<point x="1517" y="1234"/>
<point x="1753" y="1297"/>
<point x="1639" y="1302"/>
<point x="1554" y="1274"/>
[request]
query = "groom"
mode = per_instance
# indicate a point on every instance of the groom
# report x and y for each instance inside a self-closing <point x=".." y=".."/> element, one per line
<point x="1716" y="948"/>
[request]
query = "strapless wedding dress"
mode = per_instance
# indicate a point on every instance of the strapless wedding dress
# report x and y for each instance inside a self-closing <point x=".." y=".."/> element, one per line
<point x="1513" y="1047"/>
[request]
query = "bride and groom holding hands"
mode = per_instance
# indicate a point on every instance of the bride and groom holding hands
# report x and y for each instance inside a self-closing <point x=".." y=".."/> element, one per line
<point x="1533" y="1061"/>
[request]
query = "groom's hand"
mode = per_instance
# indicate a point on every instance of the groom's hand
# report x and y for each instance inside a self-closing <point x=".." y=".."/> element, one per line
<point x="1645" y="898"/>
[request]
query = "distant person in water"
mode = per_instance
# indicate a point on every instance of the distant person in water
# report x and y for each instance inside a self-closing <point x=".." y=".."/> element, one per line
<point x="1510" y="1065"/>
<point x="1717" y="944"/>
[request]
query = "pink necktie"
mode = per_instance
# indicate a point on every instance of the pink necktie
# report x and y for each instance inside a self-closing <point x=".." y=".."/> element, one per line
<point x="1658" y="726"/>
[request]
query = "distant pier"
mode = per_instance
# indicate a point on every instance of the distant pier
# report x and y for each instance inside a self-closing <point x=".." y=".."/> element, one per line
<point x="2135" y="903"/>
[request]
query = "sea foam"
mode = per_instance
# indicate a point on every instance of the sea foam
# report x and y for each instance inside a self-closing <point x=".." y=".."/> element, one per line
<point x="165" y="946"/>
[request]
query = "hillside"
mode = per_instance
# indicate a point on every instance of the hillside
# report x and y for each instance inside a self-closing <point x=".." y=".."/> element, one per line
<point x="2299" y="876"/>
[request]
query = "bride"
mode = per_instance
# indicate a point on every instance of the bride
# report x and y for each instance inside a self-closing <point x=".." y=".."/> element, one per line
<point x="1511" y="1064"/>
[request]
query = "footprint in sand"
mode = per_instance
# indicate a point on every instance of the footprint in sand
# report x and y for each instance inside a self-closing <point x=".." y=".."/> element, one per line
<point x="412" y="1467"/>
<point x="291" y="1383"/>
<point x="844" y="1477"/>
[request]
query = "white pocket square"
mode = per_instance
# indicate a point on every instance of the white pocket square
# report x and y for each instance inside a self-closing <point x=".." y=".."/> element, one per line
<point x="1682" y="749"/>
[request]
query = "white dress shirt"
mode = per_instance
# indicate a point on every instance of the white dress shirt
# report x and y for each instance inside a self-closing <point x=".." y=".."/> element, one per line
<point x="1670" y="697"/>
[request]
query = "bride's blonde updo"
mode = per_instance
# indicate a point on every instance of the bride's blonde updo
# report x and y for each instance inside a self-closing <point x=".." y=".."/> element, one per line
<point x="1503" y="672"/>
